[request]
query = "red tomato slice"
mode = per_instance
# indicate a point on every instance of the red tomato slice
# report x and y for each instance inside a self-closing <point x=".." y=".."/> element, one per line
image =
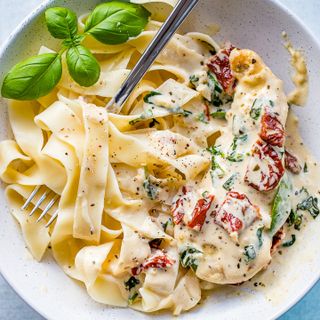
<point x="158" y="260"/>
<point x="236" y="213"/>
<point x="291" y="163"/>
<point x="219" y="64"/>
<point x="200" y="212"/>
<point x="265" y="168"/>
<point x="272" y="130"/>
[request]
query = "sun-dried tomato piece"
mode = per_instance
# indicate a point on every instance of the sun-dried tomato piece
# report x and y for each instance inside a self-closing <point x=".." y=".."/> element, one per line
<point x="291" y="163"/>
<point x="265" y="168"/>
<point x="219" y="64"/>
<point x="236" y="213"/>
<point x="200" y="212"/>
<point x="158" y="260"/>
<point x="177" y="211"/>
<point x="272" y="130"/>
<point x="277" y="240"/>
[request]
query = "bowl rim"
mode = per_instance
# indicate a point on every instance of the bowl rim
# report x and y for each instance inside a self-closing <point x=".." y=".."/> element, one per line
<point x="39" y="10"/>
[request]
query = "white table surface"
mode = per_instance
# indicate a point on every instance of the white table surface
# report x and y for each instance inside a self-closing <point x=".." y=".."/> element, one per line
<point x="12" y="13"/>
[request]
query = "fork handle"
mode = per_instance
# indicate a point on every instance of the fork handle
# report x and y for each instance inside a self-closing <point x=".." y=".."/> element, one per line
<point x="173" y="22"/>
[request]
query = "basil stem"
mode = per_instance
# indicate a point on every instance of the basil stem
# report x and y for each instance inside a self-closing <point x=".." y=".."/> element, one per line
<point x="115" y="22"/>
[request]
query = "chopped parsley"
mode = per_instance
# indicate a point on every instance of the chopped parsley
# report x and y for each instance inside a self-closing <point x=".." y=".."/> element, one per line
<point x="189" y="258"/>
<point x="305" y="168"/>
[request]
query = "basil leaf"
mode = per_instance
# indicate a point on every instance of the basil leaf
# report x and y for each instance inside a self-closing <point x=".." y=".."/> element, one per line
<point x="83" y="66"/>
<point x="190" y="258"/>
<point x="33" y="78"/>
<point x="281" y="205"/>
<point x="115" y="22"/>
<point x="62" y="23"/>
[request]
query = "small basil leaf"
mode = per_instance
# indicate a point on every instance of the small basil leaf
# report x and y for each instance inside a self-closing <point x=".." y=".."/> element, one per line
<point x="83" y="66"/>
<point x="115" y="22"/>
<point x="61" y="22"/>
<point x="33" y="78"/>
<point x="281" y="207"/>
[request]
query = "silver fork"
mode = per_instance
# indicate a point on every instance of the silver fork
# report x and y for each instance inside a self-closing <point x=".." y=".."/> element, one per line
<point x="173" y="22"/>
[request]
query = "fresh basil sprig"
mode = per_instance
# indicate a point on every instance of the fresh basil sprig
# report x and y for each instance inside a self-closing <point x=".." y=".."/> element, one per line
<point x="115" y="22"/>
<point x="111" y="23"/>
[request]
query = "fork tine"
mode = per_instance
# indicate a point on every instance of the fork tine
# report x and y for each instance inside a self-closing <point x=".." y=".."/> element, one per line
<point x="33" y="193"/>
<point x="37" y="205"/>
<point x="53" y="217"/>
<point x="48" y="207"/>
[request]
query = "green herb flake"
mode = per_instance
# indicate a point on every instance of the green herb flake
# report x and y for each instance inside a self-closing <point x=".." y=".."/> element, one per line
<point x="295" y="220"/>
<point x="305" y="168"/>
<point x="230" y="182"/>
<point x="259" y="236"/>
<point x="311" y="205"/>
<point x="249" y="253"/>
<point x="166" y="224"/>
<point x="202" y="118"/>
<point x="194" y="80"/>
<point x="257" y="107"/>
<point x="290" y="242"/>
<point x="146" y="99"/>
<point x="131" y="283"/>
<point x="133" y="297"/>
<point x="144" y="116"/>
<point x="189" y="258"/>
<point x="219" y="115"/>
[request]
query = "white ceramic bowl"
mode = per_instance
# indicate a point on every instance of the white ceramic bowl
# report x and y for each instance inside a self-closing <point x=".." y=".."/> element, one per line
<point x="246" y="23"/>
